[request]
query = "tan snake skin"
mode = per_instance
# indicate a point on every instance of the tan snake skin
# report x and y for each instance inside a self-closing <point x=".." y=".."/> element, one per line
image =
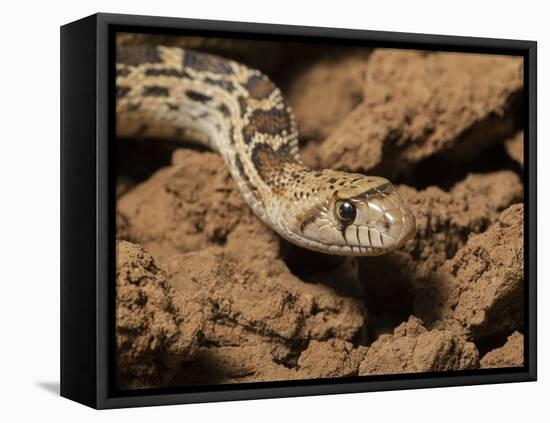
<point x="177" y="94"/>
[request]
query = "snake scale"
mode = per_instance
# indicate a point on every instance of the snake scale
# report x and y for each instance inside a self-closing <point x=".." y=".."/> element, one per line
<point x="186" y="95"/>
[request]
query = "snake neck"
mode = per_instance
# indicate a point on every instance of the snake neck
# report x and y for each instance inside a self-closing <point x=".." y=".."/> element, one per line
<point x="183" y="95"/>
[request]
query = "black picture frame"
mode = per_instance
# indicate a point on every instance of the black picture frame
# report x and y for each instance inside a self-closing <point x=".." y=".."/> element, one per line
<point x="88" y="221"/>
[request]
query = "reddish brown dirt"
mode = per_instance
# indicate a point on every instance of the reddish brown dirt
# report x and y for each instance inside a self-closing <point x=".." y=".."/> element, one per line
<point x="481" y="287"/>
<point x="509" y="355"/>
<point x="420" y="104"/>
<point x="412" y="349"/>
<point x="514" y="147"/>
<point x="208" y="294"/>
<point x="153" y="335"/>
<point x="342" y="74"/>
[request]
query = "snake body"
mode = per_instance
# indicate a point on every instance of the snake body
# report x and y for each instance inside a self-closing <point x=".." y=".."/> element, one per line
<point x="179" y="94"/>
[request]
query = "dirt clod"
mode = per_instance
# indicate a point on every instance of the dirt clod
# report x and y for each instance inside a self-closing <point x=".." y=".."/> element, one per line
<point x="153" y="337"/>
<point x="333" y="358"/>
<point x="267" y="300"/>
<point x="412" y="349"/>
<point x="191" y="205"/>
<point x="514" y="147"/>
<point x="418" y="104"/>
<point x="482" y="285"/>
<point x="317" y="84"/>
<point x="509" y="355"/>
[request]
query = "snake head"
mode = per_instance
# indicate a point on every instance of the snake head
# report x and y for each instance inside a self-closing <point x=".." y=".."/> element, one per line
<point x="360" y="215"/>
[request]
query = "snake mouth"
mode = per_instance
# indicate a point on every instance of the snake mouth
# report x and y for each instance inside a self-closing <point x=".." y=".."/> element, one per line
<point x="384" y="222"/>
<point x="384" y="235"/>
<point x="381" y="223"/>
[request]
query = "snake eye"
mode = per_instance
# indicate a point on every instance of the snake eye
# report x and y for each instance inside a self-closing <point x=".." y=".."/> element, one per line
<point x="345" y="211"/>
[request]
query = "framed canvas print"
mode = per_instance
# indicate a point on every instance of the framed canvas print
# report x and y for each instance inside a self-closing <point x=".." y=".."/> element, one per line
<point x="254" y="211"/>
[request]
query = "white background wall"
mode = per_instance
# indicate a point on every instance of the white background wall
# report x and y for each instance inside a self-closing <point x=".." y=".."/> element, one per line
<point x="29" y="170"/>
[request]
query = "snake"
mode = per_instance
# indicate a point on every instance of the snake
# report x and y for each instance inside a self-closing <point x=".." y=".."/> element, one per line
<point x="179" y="94"/>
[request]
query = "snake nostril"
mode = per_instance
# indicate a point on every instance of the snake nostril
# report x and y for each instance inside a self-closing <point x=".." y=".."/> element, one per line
<point x="382" y="225"/>
<point x="394" y="230"/>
